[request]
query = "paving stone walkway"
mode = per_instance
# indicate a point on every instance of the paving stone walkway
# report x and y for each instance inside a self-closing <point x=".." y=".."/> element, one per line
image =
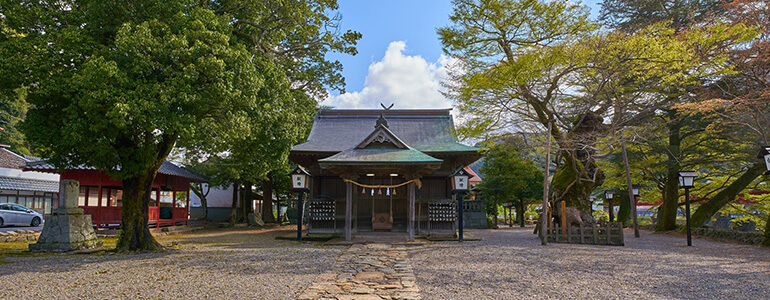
<point x="367" y="272"/>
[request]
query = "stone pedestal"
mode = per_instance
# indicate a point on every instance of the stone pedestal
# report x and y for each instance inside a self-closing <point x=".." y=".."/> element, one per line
<point x="67" y="229"/>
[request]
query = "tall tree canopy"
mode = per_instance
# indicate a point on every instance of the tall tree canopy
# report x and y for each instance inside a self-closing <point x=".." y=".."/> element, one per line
<point x="116" y="85"/>
<point x="530" y="61"/>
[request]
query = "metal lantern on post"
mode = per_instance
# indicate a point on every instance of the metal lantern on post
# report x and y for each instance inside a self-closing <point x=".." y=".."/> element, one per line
<point x="686" y="179"/>
<point x="608" y="194"/>
<point x="300" y="183"/>
<point x="764" y="153"/>
<point x="460" y="186"/>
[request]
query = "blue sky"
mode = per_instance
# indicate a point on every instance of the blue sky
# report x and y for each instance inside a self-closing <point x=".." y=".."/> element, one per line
<point x="399" y="57"/>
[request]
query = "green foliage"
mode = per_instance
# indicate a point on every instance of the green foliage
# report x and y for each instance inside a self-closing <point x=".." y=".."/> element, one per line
<point x="509" y="177"/>
<point x="757" y="210"/>
<point x="117" y="84"/>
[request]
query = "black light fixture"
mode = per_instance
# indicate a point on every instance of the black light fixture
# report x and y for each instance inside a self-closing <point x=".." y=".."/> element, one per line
<point x="635" y="189"/>
<point x="686" y="181"/>
<point x="608" y="194"/>
<point x="460" y="186"/>
<point x="300" y="183"/>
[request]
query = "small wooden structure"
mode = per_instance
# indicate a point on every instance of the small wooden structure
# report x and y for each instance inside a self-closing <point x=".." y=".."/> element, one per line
<point x="610" y="233"/>
<point x="101" y="195"/>
<point x="382" y="170"/>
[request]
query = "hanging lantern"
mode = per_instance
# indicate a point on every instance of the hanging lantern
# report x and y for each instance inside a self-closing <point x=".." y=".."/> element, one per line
<point x="379" y="192"/>
<point x="363" y="190"/>
<point x="394" y="191"/>
<point x="387" y="191"/>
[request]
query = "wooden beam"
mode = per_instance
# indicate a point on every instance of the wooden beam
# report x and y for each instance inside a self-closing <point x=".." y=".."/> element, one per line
<point x="348" y="211"/>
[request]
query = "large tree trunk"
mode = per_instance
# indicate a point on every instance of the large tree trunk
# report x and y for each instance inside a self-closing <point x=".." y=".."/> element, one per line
<point x="267" y="201"/>
<point x="234" y="208"/>
<point x="704" y="212"/>
<point x="497" y="212"/>
<point x="520" y="213"/>
<point x="135" y="232"/>
<point x="249" y="198"/>
<point x="667" y="212"/>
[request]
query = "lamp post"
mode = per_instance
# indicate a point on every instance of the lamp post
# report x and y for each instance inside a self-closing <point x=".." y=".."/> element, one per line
<point x="300" y="183"/>
<point x="608" y="195"/>
<point x="460" y="186"/>
<point x="635" y="192"/>
<point x="686" y="179"/>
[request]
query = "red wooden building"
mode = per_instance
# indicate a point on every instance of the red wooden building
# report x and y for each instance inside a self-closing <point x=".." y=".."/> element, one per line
<point x="101" y="195"/>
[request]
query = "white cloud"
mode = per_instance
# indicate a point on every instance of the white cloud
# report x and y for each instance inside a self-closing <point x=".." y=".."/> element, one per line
<point x="407" y="81"/>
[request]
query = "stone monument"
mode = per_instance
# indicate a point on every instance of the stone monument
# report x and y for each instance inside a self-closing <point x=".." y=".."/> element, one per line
<point x="68" y="228"/>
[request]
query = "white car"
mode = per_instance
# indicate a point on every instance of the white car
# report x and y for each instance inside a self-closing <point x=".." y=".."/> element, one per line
<point x="14" y="214"/>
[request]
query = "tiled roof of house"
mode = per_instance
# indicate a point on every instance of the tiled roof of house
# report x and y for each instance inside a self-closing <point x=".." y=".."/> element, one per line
<point x="25" y="184"/>
<point x="167" y="168"/>
<point x="11" y="160"/>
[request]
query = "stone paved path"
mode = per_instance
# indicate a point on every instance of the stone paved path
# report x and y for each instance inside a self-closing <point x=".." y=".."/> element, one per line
<point x="367" y="272"/>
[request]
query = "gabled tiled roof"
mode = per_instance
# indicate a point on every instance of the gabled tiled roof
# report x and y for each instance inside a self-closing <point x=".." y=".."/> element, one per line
<point x="381" y="146"/>
<point x="336" y="130"/>
<point x="11" y="160"/>
<point x="166" y="168"/>
<point x="25" y="184"/>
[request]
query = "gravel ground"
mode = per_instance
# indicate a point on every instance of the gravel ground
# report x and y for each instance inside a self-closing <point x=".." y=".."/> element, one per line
<point x="511" y="264"/>
<point x="236" y="264"/>
<point x="505" y="264"/>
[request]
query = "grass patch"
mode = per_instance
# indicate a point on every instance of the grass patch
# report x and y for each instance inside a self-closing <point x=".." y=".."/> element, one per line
<point x="109" y="242"/>
<point x="13" y="247"/>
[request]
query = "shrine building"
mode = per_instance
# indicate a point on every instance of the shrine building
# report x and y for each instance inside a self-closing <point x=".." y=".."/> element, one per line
<point x="102" y="198"/>
<point x="382" y="170"/>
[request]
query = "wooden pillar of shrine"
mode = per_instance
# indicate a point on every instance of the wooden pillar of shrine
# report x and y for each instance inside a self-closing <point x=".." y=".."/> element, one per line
<point x="348" y="211"/>
<point x="411" y="211"/>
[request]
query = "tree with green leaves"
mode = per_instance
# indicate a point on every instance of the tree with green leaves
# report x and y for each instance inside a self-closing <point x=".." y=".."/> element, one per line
<point x="510" y="175"/>
<point x="293" y="38"/>
<point x="536" y="62"/>
<point x="120" y="84"/>
<point x="679" y="140"/>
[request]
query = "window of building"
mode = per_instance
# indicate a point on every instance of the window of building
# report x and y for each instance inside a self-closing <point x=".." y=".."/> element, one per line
<point x="82" y="196"/>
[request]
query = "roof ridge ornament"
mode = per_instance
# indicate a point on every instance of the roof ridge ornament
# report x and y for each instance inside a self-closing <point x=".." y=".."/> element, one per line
<point x="381" y="122"/>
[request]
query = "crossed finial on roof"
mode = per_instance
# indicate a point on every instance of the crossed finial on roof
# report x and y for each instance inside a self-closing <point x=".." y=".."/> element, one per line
<point x="387" y="108"/>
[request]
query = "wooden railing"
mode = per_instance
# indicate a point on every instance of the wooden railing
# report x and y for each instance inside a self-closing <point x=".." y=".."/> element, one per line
<point x="593" y="234"/>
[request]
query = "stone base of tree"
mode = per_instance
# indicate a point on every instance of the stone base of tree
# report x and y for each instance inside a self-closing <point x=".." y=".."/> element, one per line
<point x="67" y="232"/>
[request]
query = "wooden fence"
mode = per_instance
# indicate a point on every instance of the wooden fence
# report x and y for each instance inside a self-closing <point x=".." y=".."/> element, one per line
<point x="592" y="234"/>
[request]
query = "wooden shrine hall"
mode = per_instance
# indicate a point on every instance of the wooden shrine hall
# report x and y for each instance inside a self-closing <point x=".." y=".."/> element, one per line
<point x="101" y="195"/>
<point x="382" y="170"/>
